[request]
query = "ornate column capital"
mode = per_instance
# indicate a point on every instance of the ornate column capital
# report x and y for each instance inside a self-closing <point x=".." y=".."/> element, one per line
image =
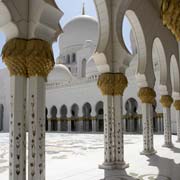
<point x="170" y="12"/>
<point x="147" y="95"/>
<point x="32" y="57"/>
<point x="166" y="101"/>
<point x="13" y="55"/>
<point x="177" y="105"/>
<point x="112" y="83"/>
<point x="40" y="59"/>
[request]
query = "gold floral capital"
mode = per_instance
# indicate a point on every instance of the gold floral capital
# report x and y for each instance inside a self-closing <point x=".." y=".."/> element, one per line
<point x="13" y="55"/>
<point x="170" y="12"/>
<point x="112" y="83"/>
<point x="177" y="105"/>
<point x="147" y="95"/>
<point x="28" y="57"/>
<point x="166" y="101"/>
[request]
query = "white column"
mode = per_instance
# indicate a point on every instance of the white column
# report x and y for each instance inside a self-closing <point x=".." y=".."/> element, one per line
<point x="69" y="121"/>
<point x="49" y="121"/>
<point x="80" y="121"/>
<point x="167" y="127"/>
<point x="119" y="135"/>
<point x="147" y="117"/>
<point x="59" y="124"/>
<point x="178" y="124"/>
<point x="177" y="107"/>
<point x="17" y="150"/>
<point x="109" y="145"/>
<point x="93" y="114"/>
<point x="36" y="119"/>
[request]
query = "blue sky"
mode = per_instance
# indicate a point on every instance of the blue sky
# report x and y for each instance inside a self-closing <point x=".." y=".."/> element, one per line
<point x="70" y="10"/>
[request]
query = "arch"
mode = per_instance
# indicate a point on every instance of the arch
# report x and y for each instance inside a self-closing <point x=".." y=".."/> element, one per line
<point x="159" y="57"/>
<point x="99" y="116"/>
<point x="74" y="113"/>
<point x="83" y="68"/>
<point x="68" y="59"/>
<point x="74" y="58"/>
<point x="139" y="40"/>
<point x="174" y="71"/>
<point x="131" y="120"/>
<point x="87" y="109"/>
<point x="104" y="25"/>
<point x="131" y="106"/>
<point x="63" y="112"/>
<point x="74" y="110"/>
<point x="87" y="123"/>
<point x="54" y="118"/>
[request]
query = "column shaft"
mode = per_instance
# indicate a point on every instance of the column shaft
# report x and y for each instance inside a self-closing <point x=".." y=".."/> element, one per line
<point x="109" y="151"/>
<point x="69" y="125"/>
<point x="147" y="129"/>
<point x="59" y="125"/>
<point x="17" y="151"/>
<point x="36" y="121"/>
<point x="178" y="124"/>
<point x="167" y="127"/>
<point x="119" y="137"/>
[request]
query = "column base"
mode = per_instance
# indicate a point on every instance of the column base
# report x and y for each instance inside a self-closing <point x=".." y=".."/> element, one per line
<point x="170" y="145"/>
<point x="148" y="153"/>
<point x="117" y="175"/>
<point x="113" y="166"/>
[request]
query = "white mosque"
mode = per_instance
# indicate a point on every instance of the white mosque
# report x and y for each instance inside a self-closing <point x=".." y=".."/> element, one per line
<point x="73" y="101"/>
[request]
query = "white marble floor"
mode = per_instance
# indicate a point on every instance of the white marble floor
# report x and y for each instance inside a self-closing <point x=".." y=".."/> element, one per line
<point x="77" y="156"/>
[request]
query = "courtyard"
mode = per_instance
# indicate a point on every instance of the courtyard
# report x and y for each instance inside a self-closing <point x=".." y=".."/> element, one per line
<point x="77" y="156"/>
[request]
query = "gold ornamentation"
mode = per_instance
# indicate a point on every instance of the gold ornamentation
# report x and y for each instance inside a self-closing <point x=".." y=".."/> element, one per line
<point x="177" y="105"/>
<point x="13" y="54"/>
<point x="147" y="95"/>
<point x="40" y="59"/>
<point x="170" y="12"/>
<point x="28" y="57"/>
<point x="166" y="101"/>
<point x="112" y="83"/>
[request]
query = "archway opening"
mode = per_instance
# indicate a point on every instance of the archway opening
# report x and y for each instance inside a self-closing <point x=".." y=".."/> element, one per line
<point x="83" y="68"/>
<point x="132" y="123"/>
<point x="100" y="116"/>
<point x="87" y="123"/>
<point x="74" y="117"/>
<point x="64" y="124"/>
<point x="54" y="118"/>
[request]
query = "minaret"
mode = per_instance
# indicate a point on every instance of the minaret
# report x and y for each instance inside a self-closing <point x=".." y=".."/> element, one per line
<point x="83" y="9"/>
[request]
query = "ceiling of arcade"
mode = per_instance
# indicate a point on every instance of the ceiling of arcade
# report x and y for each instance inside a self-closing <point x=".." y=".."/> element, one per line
<point x="30" y="19"/>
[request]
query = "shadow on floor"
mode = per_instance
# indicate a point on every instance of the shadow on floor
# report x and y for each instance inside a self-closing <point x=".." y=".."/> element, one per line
<point x="168" y="169"/>
<point x="119" y="175"/>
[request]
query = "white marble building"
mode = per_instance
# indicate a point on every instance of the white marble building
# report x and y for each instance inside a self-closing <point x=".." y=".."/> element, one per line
<point x="73" y="100"/>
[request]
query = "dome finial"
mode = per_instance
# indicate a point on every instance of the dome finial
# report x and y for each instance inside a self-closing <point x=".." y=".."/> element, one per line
<point x="83" y="8"/>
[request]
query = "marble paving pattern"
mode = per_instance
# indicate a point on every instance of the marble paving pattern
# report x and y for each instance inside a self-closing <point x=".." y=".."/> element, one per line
<point x="77" y="156"/>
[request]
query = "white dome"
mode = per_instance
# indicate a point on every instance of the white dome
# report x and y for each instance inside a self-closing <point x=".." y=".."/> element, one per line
<point x="91" y="68"/>
<point x="78" y="31"/>
<point x="60" y="73"/>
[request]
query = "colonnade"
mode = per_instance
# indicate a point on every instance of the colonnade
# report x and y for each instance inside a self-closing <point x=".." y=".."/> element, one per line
<point x="112" y="91"/>
<point x="29" y="62"/>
